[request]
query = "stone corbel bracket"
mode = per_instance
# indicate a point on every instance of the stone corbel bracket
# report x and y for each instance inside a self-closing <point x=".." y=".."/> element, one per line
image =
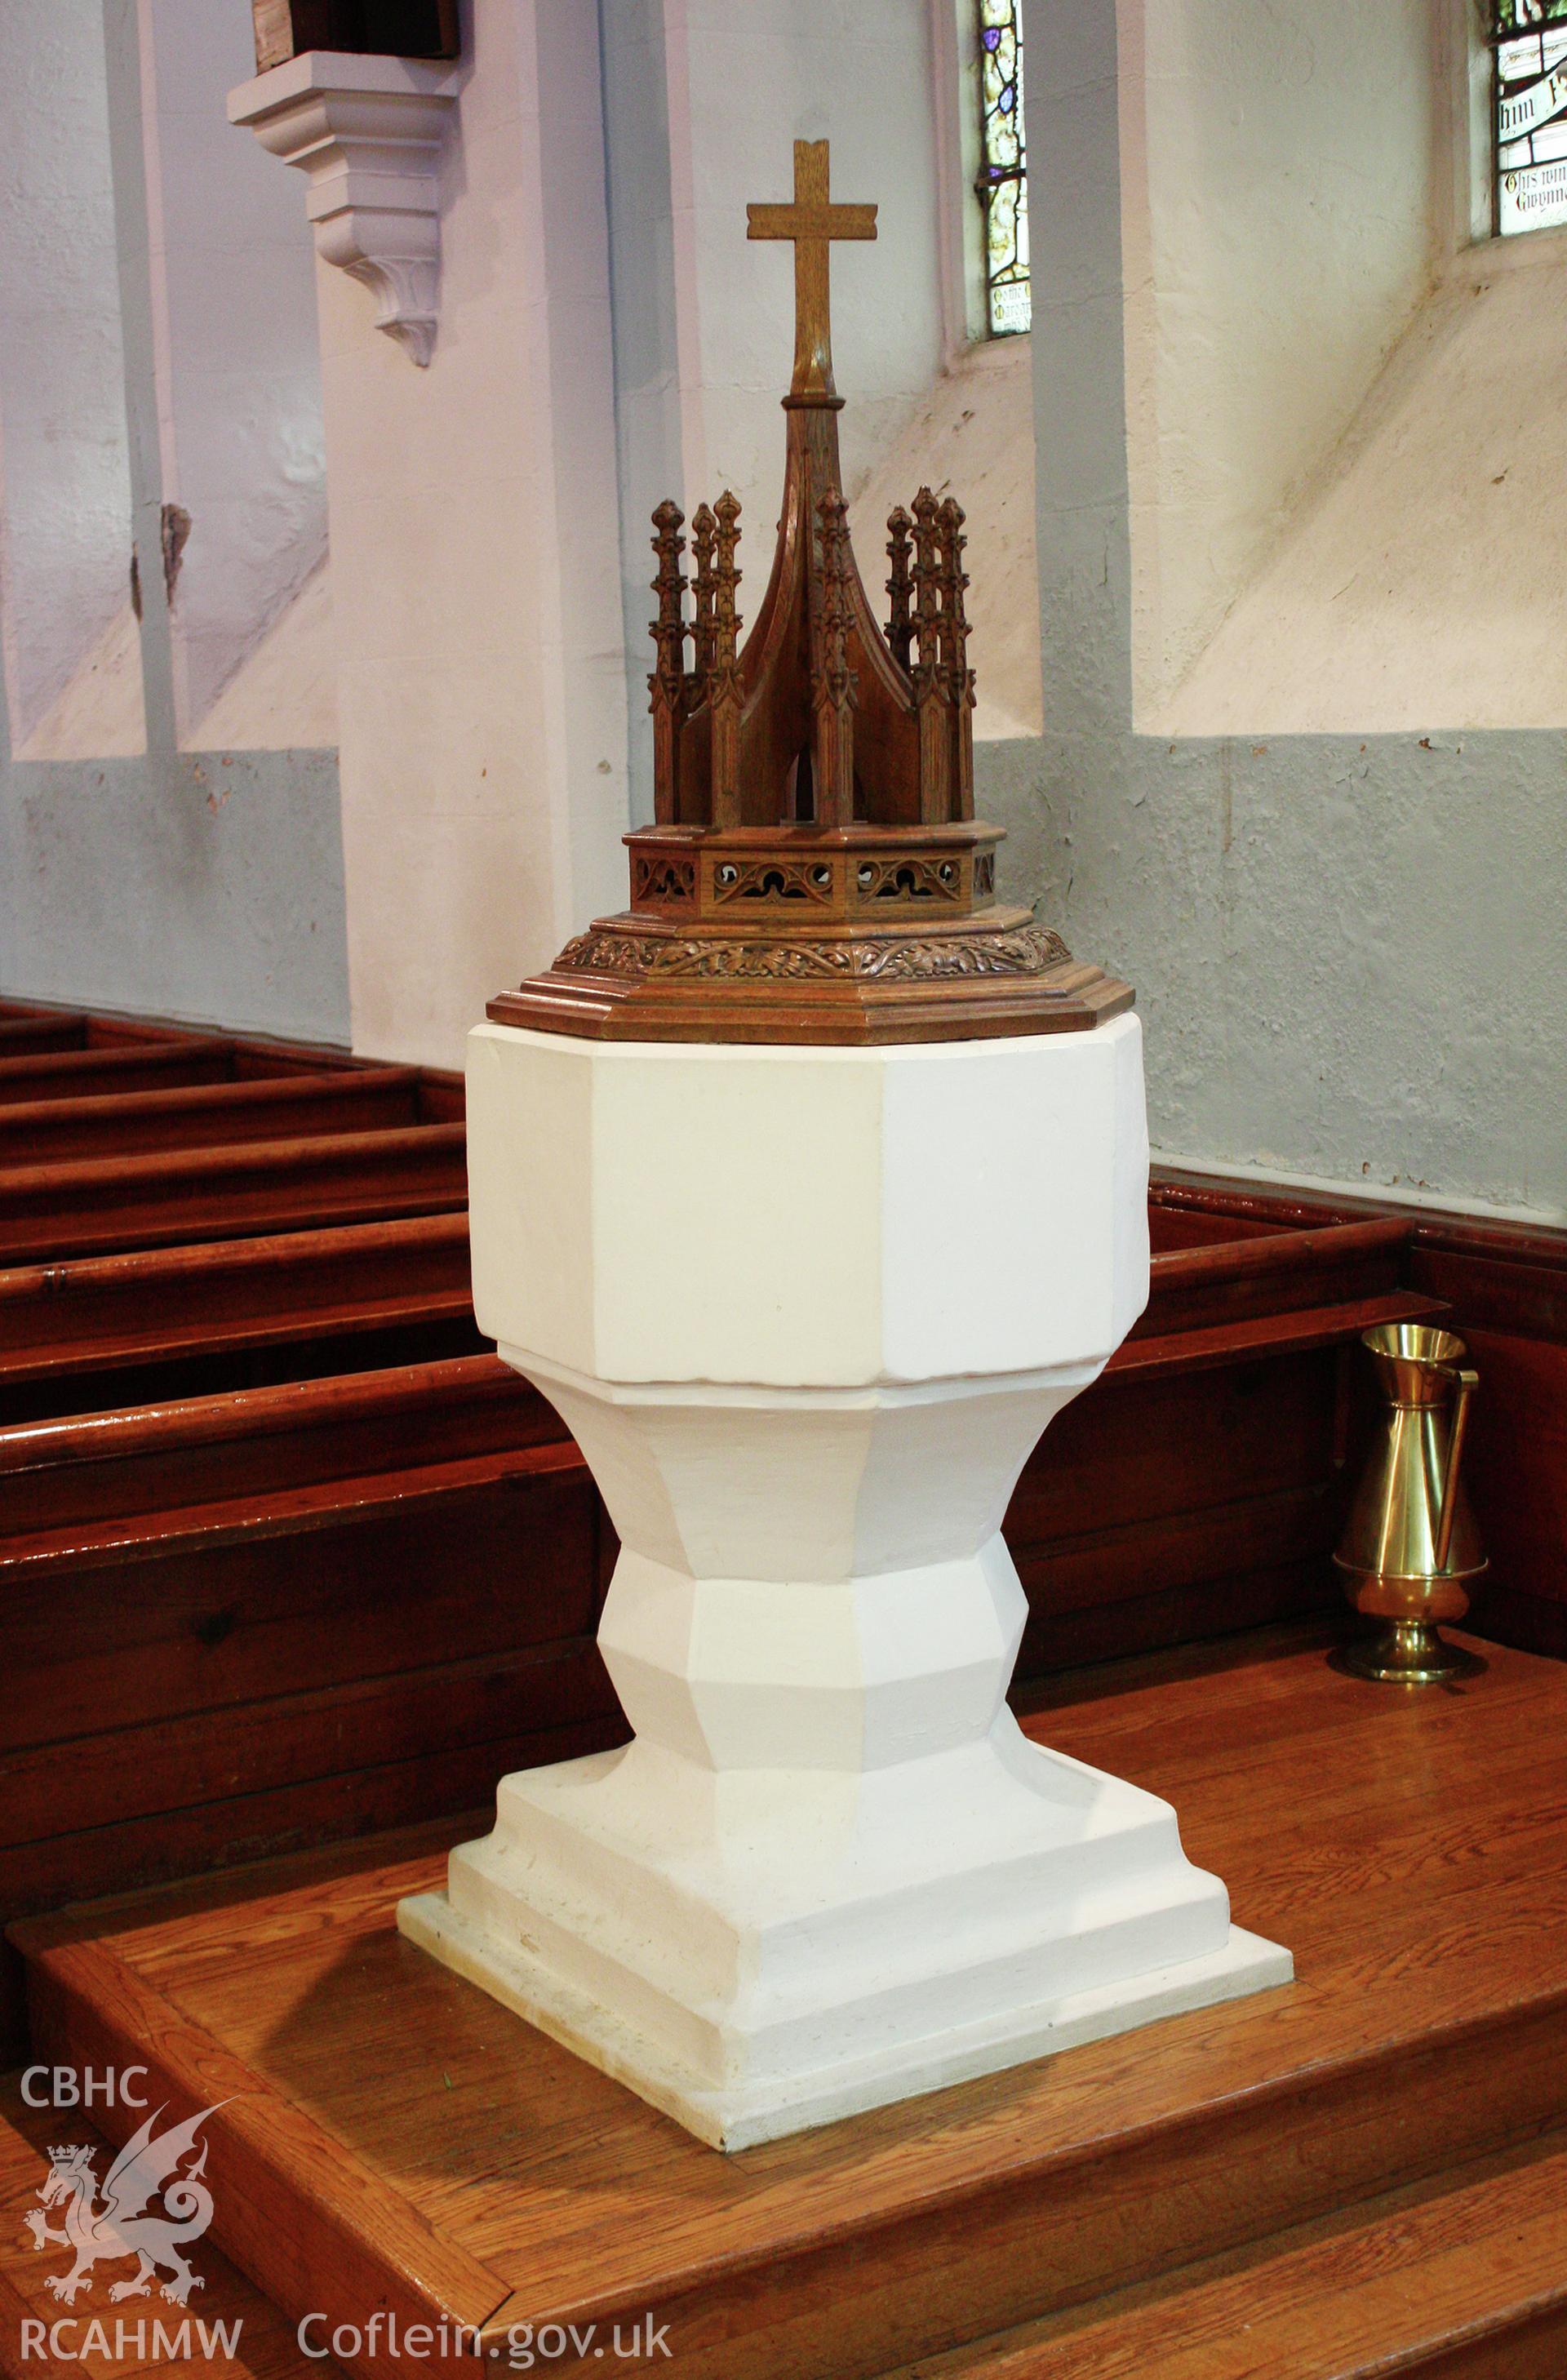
<point x="367" y="132"/>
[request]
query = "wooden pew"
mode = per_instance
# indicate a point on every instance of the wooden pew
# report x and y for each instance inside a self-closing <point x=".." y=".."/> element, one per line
<point x="1505" y="1287"/>
<point x="1172" y="1227"/>
<point x="126" y="1483"/>
<point x="161" y="1199"/>
<point x="115" y="1061"/>
<point x="1200" y="1486"/>
<point x="219" y="1115"/>
<point x="139" y="1066"/>
<point x="80" y="1028"/>
<point x="96" y="1311"/>
<point x="279" y="1617"/>
<point x="81" y="1335"/>
<point x="1202" y="1298"/>
<point x="25" y="1035"/>
<point x="90" y="1037"/>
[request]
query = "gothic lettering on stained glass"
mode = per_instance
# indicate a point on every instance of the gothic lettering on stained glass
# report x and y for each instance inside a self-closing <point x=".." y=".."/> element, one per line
<point x="1002" y="185"/>
<point x="1529" y="46"/>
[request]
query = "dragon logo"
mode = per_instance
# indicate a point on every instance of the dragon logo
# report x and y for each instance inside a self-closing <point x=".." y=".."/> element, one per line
<point x="122" y="2226"/>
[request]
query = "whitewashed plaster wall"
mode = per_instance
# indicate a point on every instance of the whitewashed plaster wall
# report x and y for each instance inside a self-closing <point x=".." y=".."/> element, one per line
<point x="1417" y="581"/>
<point x="238" y="365"/>
<point x="475" y="543"/>
<point x="1279" y="185"/>
<point x="136" y="876"/>
<point x="703" y="102"/>
<point x="65" y="472"/>
<point x="1350" y="948"/>
<point x="971" y="436"/>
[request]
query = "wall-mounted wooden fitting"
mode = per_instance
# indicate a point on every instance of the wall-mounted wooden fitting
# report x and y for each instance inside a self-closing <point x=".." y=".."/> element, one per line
<point x="398" y="29"/>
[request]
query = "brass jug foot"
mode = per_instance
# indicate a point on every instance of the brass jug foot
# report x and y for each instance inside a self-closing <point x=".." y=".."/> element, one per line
<point x="1409" y="1653"/>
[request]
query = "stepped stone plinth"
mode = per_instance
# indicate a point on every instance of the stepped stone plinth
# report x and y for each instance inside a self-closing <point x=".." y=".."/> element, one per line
<point x="806" y="1313"/>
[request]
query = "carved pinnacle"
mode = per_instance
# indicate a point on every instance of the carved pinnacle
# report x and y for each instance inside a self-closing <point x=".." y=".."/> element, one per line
<point x="899" y="586"/>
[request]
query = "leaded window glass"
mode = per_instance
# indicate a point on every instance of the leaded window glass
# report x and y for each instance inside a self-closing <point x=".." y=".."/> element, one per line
<point x="1004" y="177"/>
<point x="1529" y="43"/>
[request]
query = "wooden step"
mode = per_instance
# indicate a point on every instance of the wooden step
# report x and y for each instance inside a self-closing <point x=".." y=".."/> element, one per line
<point x="212" y="1194"/>
<point x="392" y="2136"/>
<point x="256" y="2342"/>
<point x="219" y="1115"/>
<point x="1465" y="2277"/>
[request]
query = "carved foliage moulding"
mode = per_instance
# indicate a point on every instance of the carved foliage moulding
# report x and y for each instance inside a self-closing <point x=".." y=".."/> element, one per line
<point x="1028" y="952"/>
<point x="367" y="132"/>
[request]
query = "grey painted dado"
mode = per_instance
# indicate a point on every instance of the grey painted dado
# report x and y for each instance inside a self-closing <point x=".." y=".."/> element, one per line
<point x="1350" y="952"/>
<point x="201" y="886"/>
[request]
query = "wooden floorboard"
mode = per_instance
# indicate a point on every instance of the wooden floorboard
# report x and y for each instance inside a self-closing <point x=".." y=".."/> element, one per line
<point x="1464" y="2277"/>
<point x="1408" y="1849"/>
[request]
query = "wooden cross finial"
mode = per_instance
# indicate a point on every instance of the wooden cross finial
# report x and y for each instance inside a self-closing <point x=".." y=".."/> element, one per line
<point x="811" y="221"/>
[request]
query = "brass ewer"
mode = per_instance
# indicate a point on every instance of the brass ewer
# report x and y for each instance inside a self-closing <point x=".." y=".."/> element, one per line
<point x="1411" y="1542"/>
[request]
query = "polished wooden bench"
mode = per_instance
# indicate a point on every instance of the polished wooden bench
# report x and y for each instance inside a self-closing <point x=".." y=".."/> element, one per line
<point x="167" y="1063"/>
<point x="139" y="1066"/>
<point x="1200" y="1484"/>
<point x="26" y="1032"/>
<point x="27" y="1028"/>
<point x="213" y="1115"/>
<point x="284" y="1614"/>
<point x="162" y="1198"/>
<point x="81" y="1333"/>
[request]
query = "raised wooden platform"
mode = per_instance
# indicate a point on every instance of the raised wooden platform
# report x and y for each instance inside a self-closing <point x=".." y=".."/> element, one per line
<point x="246" y="2339"/>
<point x="392" y="2138"/>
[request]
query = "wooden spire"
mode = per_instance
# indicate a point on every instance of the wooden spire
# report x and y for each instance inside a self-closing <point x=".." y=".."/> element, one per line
<point x="816" y="873"/>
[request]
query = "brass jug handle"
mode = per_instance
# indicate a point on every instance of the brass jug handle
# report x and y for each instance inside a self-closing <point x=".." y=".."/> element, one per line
<point x="1467" y="1384"/>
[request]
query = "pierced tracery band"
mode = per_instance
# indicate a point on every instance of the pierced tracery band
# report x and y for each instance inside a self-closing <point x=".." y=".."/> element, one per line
<point x="909" y="879"/>
<point x="773" y="879"/>
<point x="911" y="959"/>
<point x="664" y="879"/>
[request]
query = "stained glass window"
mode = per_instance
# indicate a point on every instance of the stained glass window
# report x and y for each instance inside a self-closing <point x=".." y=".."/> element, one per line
<point x="1529" y="43"/>
<point x="1003" y="179"/>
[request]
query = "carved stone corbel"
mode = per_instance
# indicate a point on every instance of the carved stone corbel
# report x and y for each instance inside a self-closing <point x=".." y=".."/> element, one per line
<point x="368" y="132"/>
